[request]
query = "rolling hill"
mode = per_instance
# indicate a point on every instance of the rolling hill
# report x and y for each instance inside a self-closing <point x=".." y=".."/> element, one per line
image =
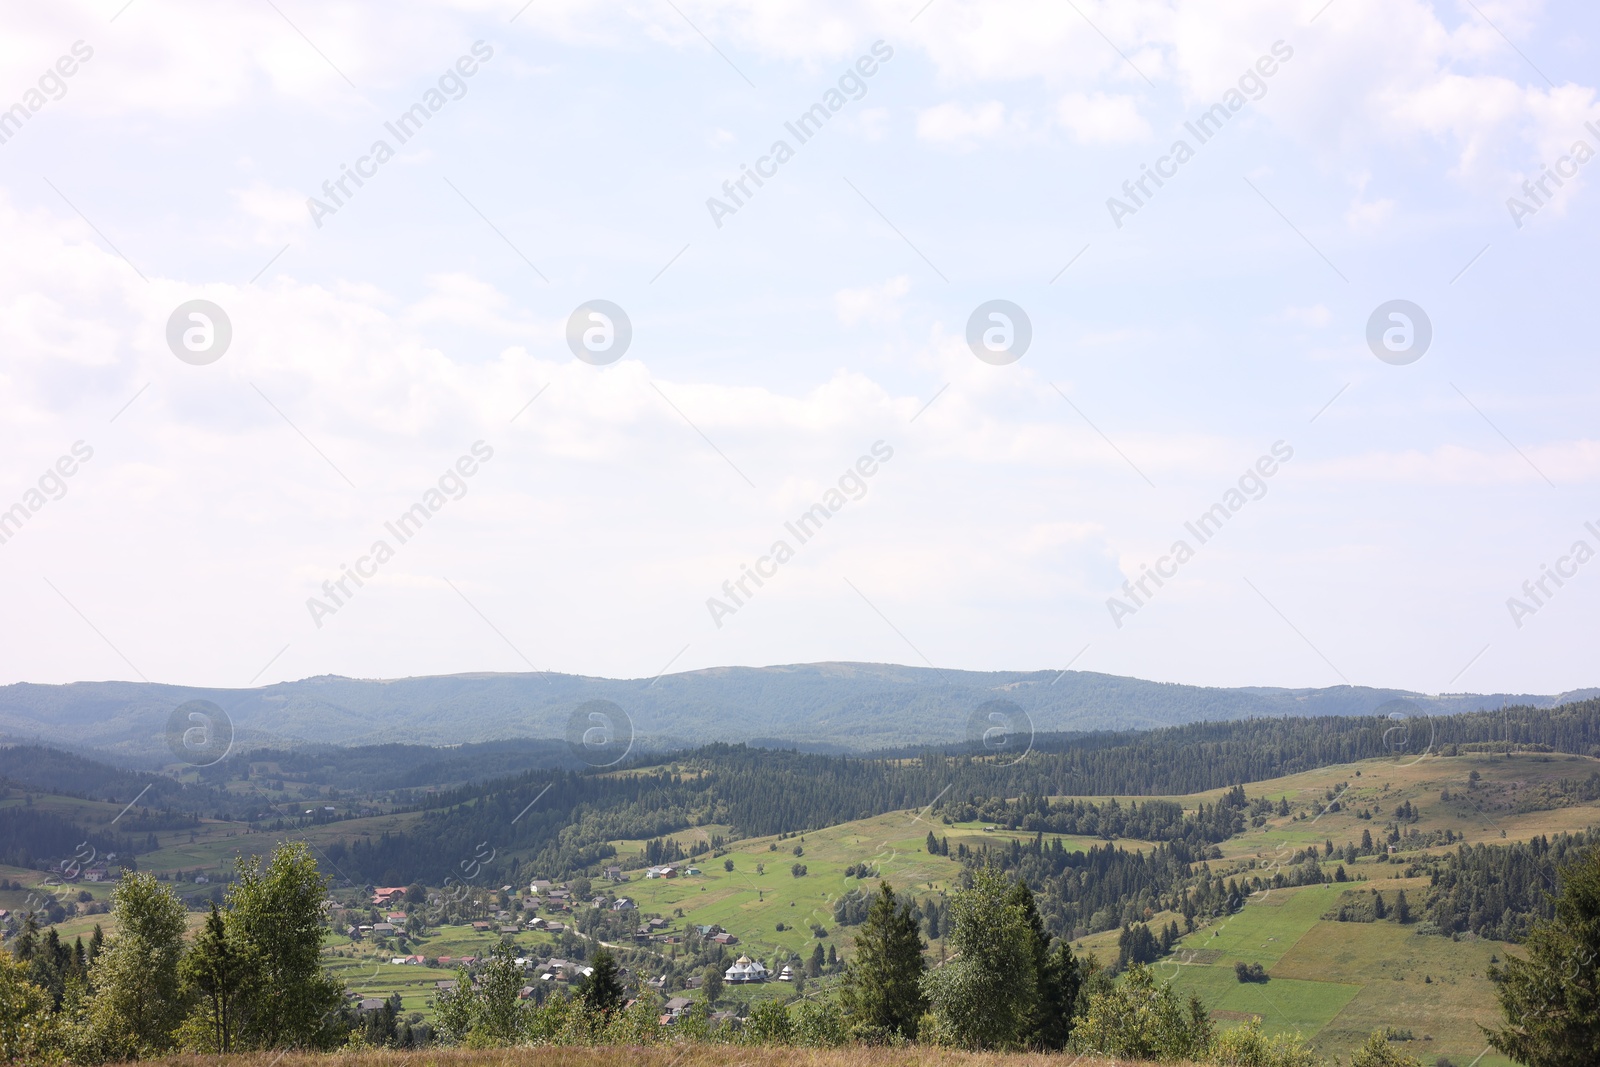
<point x="823" y="707"/>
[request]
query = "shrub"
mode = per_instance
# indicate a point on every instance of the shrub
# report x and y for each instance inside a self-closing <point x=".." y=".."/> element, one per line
<point x="1250" y="972"/>
<point x="1139" y="1020"/>
<point x="1377" y="1052"/>
<point x="769" y="1024"/>
<point x="1247" y="1046"/>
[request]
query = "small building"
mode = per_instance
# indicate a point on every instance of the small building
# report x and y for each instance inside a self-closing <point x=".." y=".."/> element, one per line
<point x="511" y="931"/>
<point x="396" y="917"/>
<point x="383" y="929"/>
<point x="678" y="1005"/>
<point x="725" y="939"/>
<point x="744" y="970"/>
<point x="370" y="1004"/>
<point x="539" y="886"/>
<point x="786" y="975"/>
<point x="480" y="927"/>
<point x="623" y="904"/>
<point x="613" y="874"/>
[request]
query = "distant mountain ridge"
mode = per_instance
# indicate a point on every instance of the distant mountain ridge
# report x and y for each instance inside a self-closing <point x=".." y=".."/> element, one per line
<point x="835" y="707"/>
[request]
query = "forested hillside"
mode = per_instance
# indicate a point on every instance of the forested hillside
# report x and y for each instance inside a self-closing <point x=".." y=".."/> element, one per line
<point x="827" y="707"/>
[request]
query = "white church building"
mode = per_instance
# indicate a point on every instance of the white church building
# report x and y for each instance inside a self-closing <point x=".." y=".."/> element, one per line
<point x="745" y="969"/>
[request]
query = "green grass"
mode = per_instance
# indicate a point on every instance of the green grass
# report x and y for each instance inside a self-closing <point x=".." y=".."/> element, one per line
<point x="1337" y="982"/>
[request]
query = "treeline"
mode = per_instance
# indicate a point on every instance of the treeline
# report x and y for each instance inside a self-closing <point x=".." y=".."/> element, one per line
<point x="30" y="837"/>
<point x="763" y="791"/>
<point x="558" y="822"/>
<point x="1499" y="891"/>
<point x="1154" y="820"/>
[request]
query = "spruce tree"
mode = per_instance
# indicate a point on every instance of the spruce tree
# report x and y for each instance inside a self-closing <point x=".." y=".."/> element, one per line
<point x="602" y="992"/>
<point x="214" y="970"/>
<point x="1551" y="999"/>
<point x="883" y="985"/>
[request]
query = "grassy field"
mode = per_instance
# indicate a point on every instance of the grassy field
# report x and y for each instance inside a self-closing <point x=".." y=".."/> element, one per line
<point x="1337" y="982"/>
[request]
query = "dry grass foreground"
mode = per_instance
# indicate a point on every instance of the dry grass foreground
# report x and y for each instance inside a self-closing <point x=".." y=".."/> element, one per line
<point x="652" y="1056"/>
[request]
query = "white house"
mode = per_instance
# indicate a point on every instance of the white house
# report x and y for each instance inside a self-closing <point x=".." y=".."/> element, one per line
<point x="745" y="969"/>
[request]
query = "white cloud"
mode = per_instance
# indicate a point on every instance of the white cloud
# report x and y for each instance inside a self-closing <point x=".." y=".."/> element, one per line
<point x="872" y="303"/>
<point x="959" y="125"/>
<point x="1100" y="119"/>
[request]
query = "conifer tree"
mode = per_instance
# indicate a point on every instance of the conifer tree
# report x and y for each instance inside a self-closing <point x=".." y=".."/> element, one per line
<point x="602" y="992"/>
<point x="883" y="985"/>
<point x="1551" y="999"/>
<point x="214" y="969"/>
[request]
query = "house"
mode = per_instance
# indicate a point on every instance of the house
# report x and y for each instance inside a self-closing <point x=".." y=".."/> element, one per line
<point x="598" y="902"/>
<point x="555" y="928"/>
<point x="678" y="1005"/>
<point x="95" y="874"/>
<point x="400" y="960"/>
<point x="510" y="930"/>
<point x="694" y="982"/>
<point x="658" y="982"/>
<point x="657" y="924"/>
<point x="623" y="904"/>
<point x="370" y="1004"/>
<point x="387" y="894"/>
<point x="539" y="886"/>
<point x="396" y="917"/>
<point x="613" y="874"/>
<point x="692" y="870"/>
<point x="725" y="939"/>
<point x="480" y="927"/>
<point x="786" y="975"/>
<point x="707" y="931"/>
<point x="745" y="969"/>
<point x="383" y="929"/>
<point x="446" y="985"/>
<point x="525" y="993"/>
<point x="535" y="923"/>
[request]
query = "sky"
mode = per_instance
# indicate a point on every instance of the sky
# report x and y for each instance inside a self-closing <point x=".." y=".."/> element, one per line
<point x="952" y="317"/>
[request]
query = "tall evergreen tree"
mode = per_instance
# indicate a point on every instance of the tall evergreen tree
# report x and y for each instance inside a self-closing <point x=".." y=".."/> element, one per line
<point x="1050" y="1023"/>
<point x="215" y="971"/>
<point x="1551" y="999"/>
<point x="883" y="984"/>
<point x="602" y="992"/>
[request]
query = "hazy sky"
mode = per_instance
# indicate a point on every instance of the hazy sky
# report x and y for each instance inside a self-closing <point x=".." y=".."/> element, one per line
<point x="1357" y="152"/>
